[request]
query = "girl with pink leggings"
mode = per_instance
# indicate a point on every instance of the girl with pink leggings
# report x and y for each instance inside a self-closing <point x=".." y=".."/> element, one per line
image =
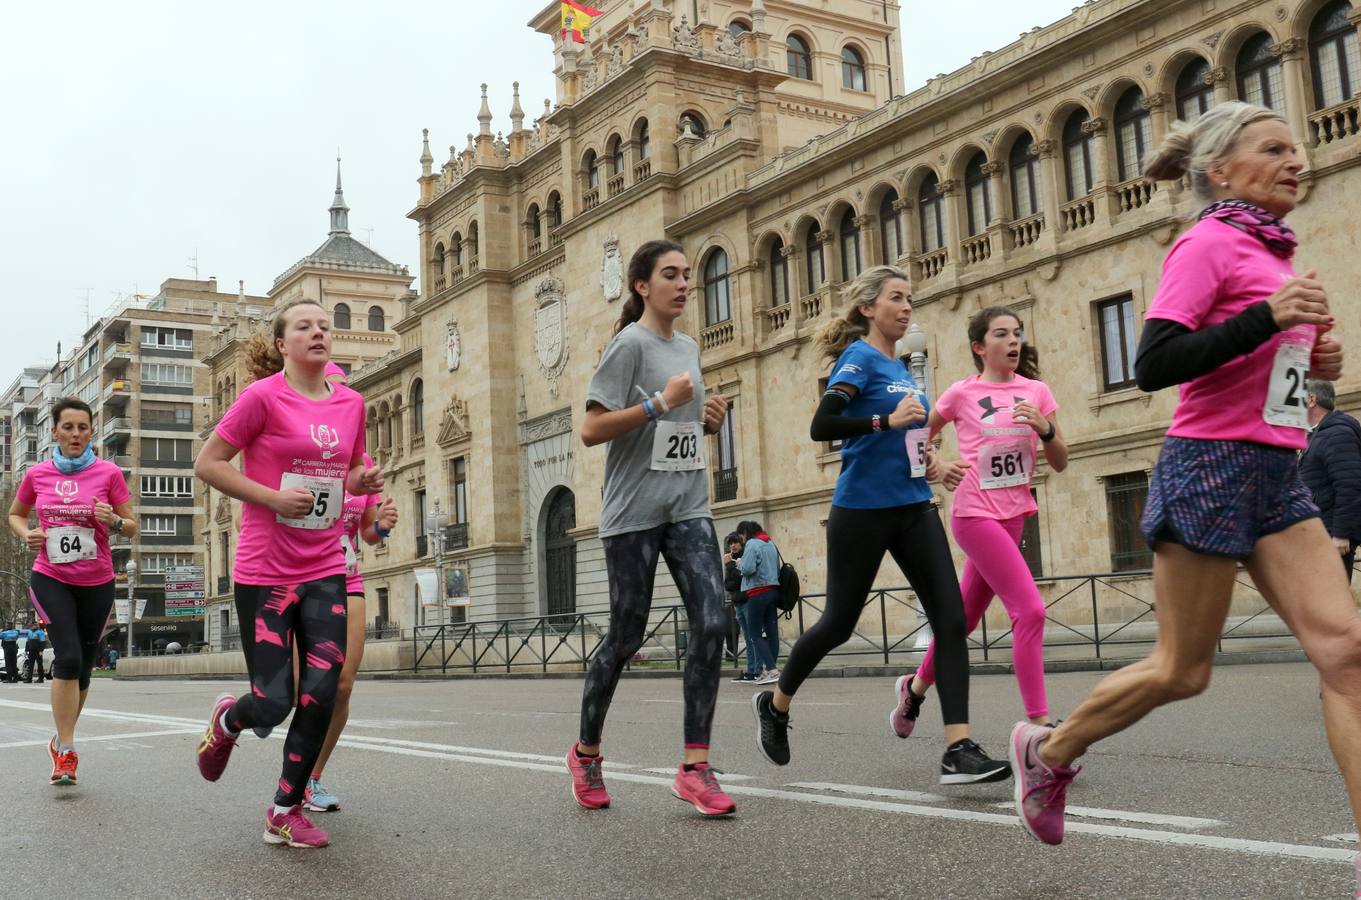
<point x="1002" y="416"/>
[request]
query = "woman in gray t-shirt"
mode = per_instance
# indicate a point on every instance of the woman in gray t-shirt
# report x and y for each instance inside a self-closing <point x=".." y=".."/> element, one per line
<point x="647" y="402"/>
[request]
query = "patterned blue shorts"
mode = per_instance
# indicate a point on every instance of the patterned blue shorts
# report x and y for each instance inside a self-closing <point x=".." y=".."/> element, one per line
<point x="1220" y="497"/>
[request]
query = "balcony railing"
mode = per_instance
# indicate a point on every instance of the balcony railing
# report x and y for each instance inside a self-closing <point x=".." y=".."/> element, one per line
<point x="931" y="264"/>
<point x="1135" y="194"/>
<point x="440" y="282"/>
<point x="117" y="355"/>
<point x="590" y="199"/>
<point x="1336" y="123"/>
<point x="615" y="185"/>
<point x="976" y="249"/>
<point x="717" y="335"/>
<point x="535" y="246"/>
<point x="810" y="307"/>
<point x="642" y="170"/>
<point x="1078" y="214"/>
<point x="725" y="485"/>
<point x="121" y="423"/>
<point x="778" y="317"/>
<point x="1027" y="231"/>
<point x="117" y="391"/>
<point x="555" y="236"/>
<point x="455" y="536"/>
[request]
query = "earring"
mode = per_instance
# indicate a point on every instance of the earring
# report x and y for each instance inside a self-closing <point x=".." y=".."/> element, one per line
<point x="1223" y="184"/>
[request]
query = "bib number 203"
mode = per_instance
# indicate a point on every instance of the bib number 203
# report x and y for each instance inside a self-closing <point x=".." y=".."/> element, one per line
<point x="682" y="447"/>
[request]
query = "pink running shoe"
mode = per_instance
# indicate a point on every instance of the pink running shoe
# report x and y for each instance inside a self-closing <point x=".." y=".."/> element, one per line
<point x="904" y="716"/>
<point x="216" y="746"/>
<point x="294" y="829"/>
<point x="1041" y="792"/>
<point x="699" y="787"/>
<point x="588" y="782"/>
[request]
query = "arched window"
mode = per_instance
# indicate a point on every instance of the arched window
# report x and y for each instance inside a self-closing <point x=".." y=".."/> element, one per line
<point x="812" y="248"/>
<point x="385" y="420"/>
<point x="738" y="27"/>
<point x="1195" y="93"/>
<point x="932" y="206"/>
<point x="472" y="245"/>
<point x="850" y="246"/>
<point x="371" y="439"/>
<point x="1334" y="55"/>
<point x="1077" y="156"/>
<point x="717" y="293"/>
<point x="696" y="123"/>
<point x="779" y="274"/>
<point x="532" y="221"/>
<point x="616" y="152"/>
<point x="1025" y="178"/>
<point x="852" y="69"/>
<point x="456" y="249"/>
<point x="554" y="210"/>
<point x="644" y="141"/>
<point x="591" y="166"/>
<point x="375" y="318"/>
<point x="418" y="408"/>
<point x="437" y="261"/>
<point x="1259" y="74"/>
<point x="798" y="59"/>
<point x="976" y="192"/>
<point x="890" y="229"/>
<point x="340" y="317"/>
<point x="1133" y="133"/>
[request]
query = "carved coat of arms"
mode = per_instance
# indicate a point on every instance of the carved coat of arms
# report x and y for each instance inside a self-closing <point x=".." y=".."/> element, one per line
<point x="550" y="330"/>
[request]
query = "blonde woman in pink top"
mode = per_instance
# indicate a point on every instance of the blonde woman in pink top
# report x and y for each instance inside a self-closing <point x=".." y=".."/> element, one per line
<point x="79" y="500"/>
<point x="301" y="440"/>
<point x="1238" y="331"/>
<point x="1003" y="417"/>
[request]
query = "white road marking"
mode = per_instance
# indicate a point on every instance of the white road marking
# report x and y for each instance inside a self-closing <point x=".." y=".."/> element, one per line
<point x="889" y="793"/>
<point x="1343" y="838"/>
<point x="521" y="761"/>
<point x="103" y="737"/>
<point x="727" y="776"/>
<point x="1089" y="812"/>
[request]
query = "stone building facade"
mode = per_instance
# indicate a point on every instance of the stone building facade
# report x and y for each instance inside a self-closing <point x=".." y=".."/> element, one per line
<point x="777" y="144"/>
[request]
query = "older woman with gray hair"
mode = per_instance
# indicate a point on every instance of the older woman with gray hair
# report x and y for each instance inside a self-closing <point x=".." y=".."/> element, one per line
<point x="1239" y="332"/>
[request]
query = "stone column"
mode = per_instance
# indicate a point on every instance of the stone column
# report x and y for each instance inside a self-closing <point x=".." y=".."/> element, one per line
<point x="1051" y="173"/>
<point x="1001" y="207"/>
<point x="902" y="208"/>
<point x="870" y="252"/>
<point x="1218" y="78"/>
<point x="1291" y="54"/>
<point x="1103" y="182"/>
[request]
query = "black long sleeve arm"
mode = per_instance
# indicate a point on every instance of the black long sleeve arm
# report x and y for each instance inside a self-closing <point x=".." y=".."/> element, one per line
<point x="1170" y="353"/>
<point x="830" y="425"/>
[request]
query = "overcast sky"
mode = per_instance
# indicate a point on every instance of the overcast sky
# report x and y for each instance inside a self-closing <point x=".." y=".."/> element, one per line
<point x="141" y="135"/>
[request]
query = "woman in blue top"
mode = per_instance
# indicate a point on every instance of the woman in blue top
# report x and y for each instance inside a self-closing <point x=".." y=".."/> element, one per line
<point x="882" y="504"/>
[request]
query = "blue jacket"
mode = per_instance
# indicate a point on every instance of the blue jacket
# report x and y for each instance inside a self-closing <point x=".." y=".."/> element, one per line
<point x="760" y="563"/>
<point x="10" y="635"/>
<point x="1331" y="467"/>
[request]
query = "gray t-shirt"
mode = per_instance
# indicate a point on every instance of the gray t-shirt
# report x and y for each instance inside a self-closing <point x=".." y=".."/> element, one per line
<point x="637" y="497"/>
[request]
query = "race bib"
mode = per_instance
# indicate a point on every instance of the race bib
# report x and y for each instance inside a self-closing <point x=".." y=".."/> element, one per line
<point x="1005" y="465"/>
<point x="1285" y="391"/>
<point x="918" y="440"/>
<point x="70" y="543"/>
<point x="351" y="557"/>
<point x="328" y="500"/>
<point x="678" y="447"/>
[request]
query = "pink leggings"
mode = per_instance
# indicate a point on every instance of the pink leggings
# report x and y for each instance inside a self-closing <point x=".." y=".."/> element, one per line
<point x="995" y="567"/>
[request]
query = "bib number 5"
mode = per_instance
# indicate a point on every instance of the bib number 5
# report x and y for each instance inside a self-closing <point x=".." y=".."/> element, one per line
<point x="326" y="502"/>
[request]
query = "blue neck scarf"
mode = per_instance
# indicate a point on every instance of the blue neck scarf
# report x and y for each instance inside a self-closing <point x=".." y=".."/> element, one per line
<point x="68" y="465"/>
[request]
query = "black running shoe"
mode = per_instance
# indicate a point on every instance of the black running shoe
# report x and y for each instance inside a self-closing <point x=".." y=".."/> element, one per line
<point x="772" y="729"/>
<point x="966" y="763"/>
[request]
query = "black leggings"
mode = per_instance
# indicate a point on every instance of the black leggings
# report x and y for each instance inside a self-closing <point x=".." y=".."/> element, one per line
<point x="271" y="618"/>
<point x="691" y="552"/>
<point x="76" y="616"/>
<point x="856" y="542"/>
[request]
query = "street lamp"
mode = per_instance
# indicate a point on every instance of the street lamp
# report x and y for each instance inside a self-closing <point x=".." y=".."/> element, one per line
<point x="435" y="520"/>
<point x="913" y="346"/>
<point x="131" y="571"/>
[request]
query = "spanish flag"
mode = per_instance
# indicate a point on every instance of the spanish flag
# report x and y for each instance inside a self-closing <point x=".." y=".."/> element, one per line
<point x="581" y="16"/>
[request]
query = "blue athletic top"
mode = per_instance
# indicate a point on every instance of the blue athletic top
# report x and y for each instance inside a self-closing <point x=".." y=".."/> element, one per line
<point x="875" y="473"/>
<point x="9" y="634"/>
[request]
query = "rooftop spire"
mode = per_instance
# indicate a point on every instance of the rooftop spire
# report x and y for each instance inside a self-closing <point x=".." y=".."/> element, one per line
<point x="484" y="115"/>
<point x="426" y="159"/>
<point x="517" y="115"/>
<point x="340" y="213"/>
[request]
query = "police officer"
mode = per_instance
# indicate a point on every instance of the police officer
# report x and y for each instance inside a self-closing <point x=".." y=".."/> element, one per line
<point x="9" y="642"/>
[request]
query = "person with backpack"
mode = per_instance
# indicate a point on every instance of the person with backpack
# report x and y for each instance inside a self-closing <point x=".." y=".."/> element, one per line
<point x="760" y="568"/>
<point x="732" y="586"/>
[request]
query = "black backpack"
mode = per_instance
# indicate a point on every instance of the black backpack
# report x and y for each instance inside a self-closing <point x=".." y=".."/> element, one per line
<point x="789" y="586"/>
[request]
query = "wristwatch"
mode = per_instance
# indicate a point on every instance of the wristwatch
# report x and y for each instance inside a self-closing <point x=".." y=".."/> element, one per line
<point x="117" y="526"/>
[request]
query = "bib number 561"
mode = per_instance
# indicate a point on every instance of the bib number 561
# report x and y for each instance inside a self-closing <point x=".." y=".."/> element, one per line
<point x="1007" y="464"/>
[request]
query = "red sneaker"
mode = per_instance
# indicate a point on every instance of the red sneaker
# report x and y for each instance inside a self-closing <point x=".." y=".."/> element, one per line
<point x="216" y="746"/>
<point x="588" y="782"/>
<point x="699" y="787"/>
<point x="294" y="829"/>
<point x="63" y="767"/>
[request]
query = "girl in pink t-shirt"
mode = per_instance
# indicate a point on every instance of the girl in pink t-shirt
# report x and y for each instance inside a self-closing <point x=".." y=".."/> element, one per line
<point x="1003" y="416"/>
<point x="302" y="445"/>
<point x="79" y="499"/>
<point x="371" y="518"/>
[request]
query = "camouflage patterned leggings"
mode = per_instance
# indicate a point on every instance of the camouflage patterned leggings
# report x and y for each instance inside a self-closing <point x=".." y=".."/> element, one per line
<point x="691" y="552"/>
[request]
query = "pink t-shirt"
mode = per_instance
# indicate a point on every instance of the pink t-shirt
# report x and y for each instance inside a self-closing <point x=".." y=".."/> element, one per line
<point x="287" y="440"/>
<point x="65" y="504"/>
<point x="1214" y="272"/>
<point x="1001" y="454"/>
<point x="353" y="517"/>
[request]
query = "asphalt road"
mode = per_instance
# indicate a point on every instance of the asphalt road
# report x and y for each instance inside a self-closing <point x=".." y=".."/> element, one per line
<point x="458" y="789"/>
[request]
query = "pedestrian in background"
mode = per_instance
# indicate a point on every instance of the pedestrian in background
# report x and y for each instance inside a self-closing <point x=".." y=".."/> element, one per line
<point x="1331" y="468"/>
<point x="760" y="567"/>
<point x="732" y="586"/>
<point x="9" y="643"/>
<point x="33" y="649"/>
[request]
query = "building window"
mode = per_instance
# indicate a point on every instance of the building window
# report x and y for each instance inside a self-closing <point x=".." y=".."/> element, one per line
<point x="1195" y="93"/>
<point x="340" y="318"/>
<point x="177" y="486"/>
<point x="554" y="209"/>
<point x="932" y="207"/>
<point x="976" y="191"/>
<point x="1077" y="156"/>
<point x="166" y="450"/>
<point x="157" y="563"/>
<point x="164" y="526"/>
<point x="1031" y="551"/>
<point x="1133" y="133"/>
<point x="167" y="375"/>
<point x="532" y="221"/>
<point x="418" y="407"/>
<point x="591" y="165"/>
<point x="850" y="246"/>
<point x="436" y="266"/>
<point x="167" y="339"/>
<point x="1259" y="74"/>
<point x="375" y="318"/>
<point x="1334" y="55"/>
<point x="798" y="59"/>
<point x="1025" y="178"/>
<point x="1125" y="497"/>
<point x="455" y="259"/>
<point x="458" y="477"/>
<point x="1116" y="322"/>
<point x="383" y="619"/>
<point x="852" y="69"/>
<point x="737" y="28"/>
<point x="696" y="123"/>
<point x="725" y="475"/>
<point x="179" y="415"/>
<point x="644" y="141"/>
<point x="225" y="542"/>
<point x="616" y="154"/>
<point x="813" y="252"/>
<point x="890" y="229"/>
<point x="779" y="274"/>
<point x="717" y="295"/>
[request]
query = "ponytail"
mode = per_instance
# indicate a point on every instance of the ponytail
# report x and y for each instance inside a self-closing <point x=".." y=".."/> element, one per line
<point x="841" y="332"/>
<point x="263" y="358"/>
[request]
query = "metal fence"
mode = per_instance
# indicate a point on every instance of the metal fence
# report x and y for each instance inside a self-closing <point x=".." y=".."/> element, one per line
<point x="1095" y="613"/>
